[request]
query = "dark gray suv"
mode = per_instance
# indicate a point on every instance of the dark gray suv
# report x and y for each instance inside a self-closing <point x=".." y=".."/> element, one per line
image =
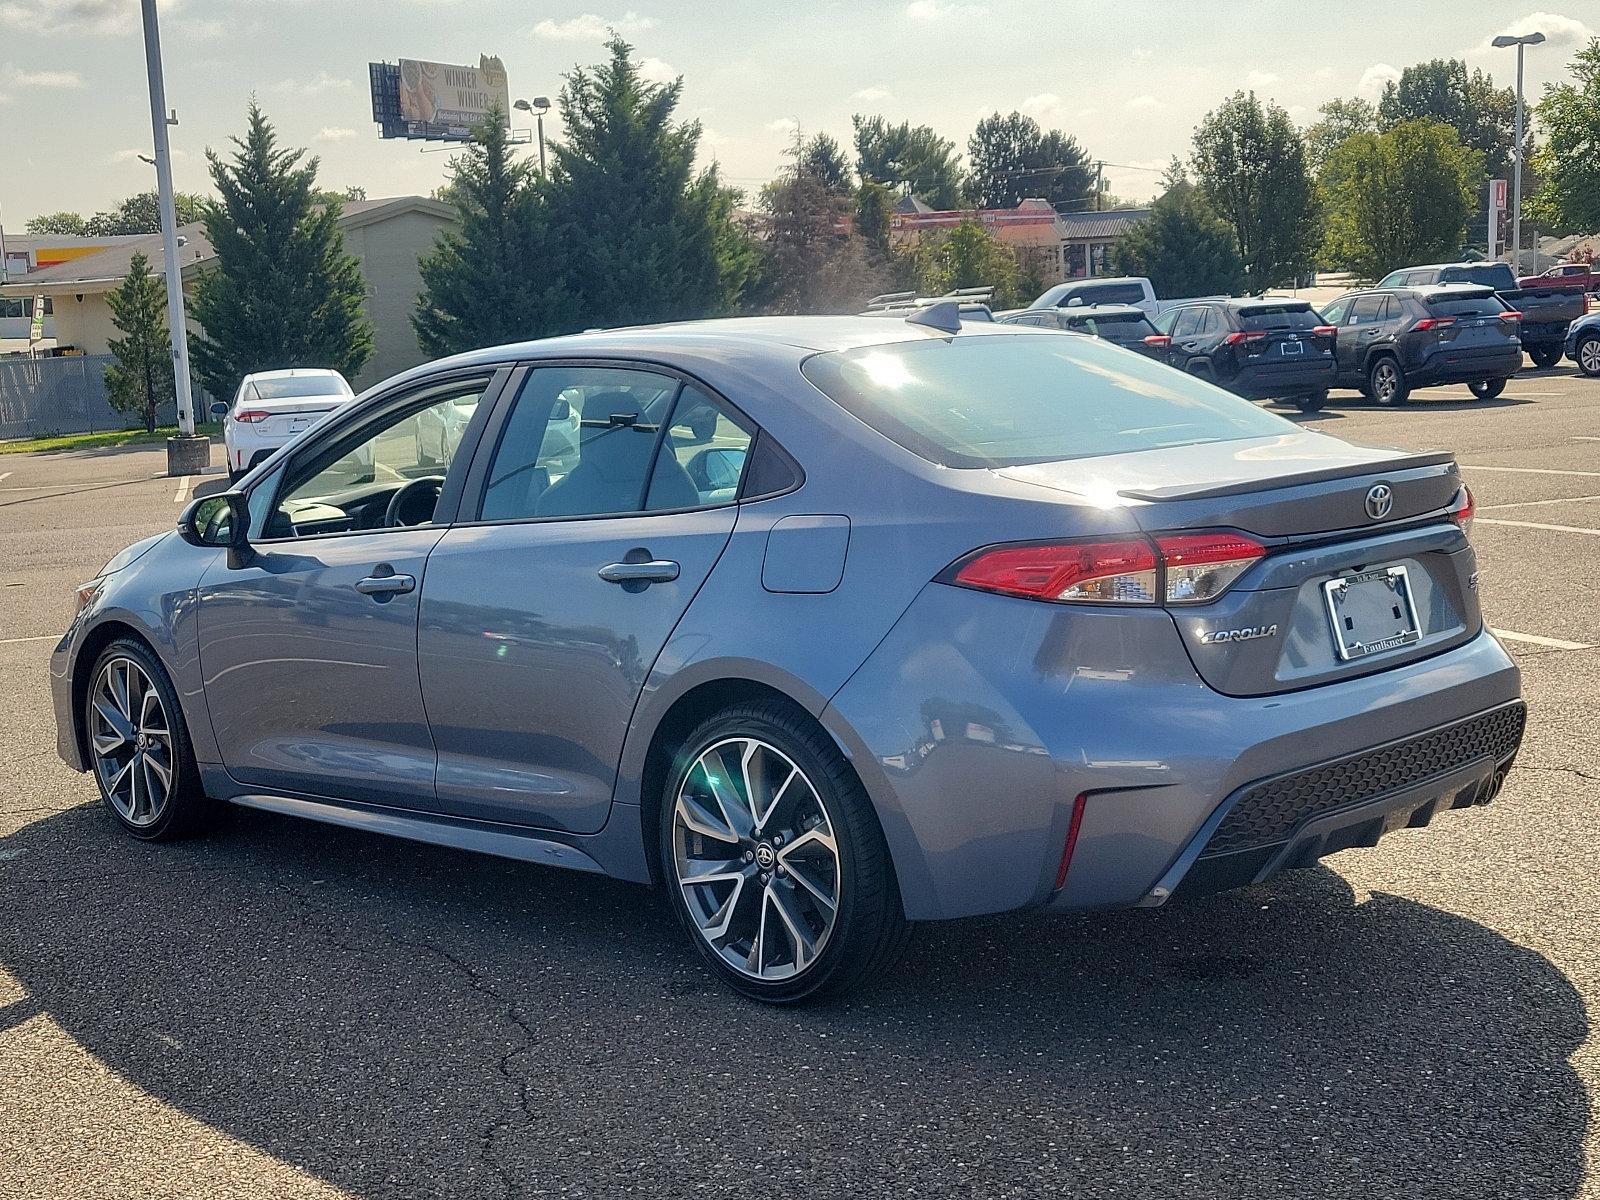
<point x="1394" y="339"/>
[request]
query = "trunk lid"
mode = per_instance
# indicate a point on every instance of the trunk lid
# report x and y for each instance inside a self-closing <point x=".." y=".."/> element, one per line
<point x="1408" y="581"/>
<point x="291" y="415"/>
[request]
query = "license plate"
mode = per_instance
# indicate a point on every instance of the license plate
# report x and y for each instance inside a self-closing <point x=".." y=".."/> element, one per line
<point x="1293" y="346"/>
<point x="299" y="424"/>
<point x="1372" y="612"/>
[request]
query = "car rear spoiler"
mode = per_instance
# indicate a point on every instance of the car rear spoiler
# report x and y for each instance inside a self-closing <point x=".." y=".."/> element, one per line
<point x="1402" y="462"/>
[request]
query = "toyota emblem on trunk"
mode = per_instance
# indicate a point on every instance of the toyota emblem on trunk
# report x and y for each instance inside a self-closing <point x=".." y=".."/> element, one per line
<point x="1380" y="499"/>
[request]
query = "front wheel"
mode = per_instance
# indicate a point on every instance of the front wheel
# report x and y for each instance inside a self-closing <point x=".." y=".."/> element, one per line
<point x="1587" y="355"/>
<point x="139" y="746"/>
<point x="1544" y="356"/>
<point x="1386" y="382"/>
<point x="774" y="858"/>
<point x="1486" y="389"/>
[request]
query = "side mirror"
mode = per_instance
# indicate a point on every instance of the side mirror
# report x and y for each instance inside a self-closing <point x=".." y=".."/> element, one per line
<point x="219" y="408"/>
<point x="220" y="520"/>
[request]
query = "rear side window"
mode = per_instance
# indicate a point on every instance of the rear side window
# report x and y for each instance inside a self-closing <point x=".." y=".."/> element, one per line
<point x="1495" y="275"/>
<point x="1278" y="316"/>
<point x="1474" y="306"/>
<point x="1368" y="309"/>
<point x="975" y="401"/>
<point x="1124" y="327"/>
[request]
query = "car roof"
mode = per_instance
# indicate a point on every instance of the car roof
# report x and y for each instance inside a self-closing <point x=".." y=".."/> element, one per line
<point x="1250" y="303"/>
<point x="294" y="372"/>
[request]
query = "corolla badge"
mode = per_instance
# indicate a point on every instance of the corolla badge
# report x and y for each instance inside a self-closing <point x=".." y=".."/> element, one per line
<point x="1380" y="500"/>
<point x="1213" y="636"/>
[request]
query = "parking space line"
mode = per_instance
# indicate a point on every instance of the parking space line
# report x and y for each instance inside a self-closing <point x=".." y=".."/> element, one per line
<point x="1537" y="525"/>
<point x="1577" y="437"/>
<point x="5" y="475"/>
<point x="183" y="489"/>
<point x="43" y="637"/>
<point x="1527" y="503"/>
<point x="1529" y="470"/>
<point x="1536" y="640"/>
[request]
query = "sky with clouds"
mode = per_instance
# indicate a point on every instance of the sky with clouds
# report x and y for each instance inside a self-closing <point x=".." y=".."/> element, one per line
<point x="1130" y="80"/>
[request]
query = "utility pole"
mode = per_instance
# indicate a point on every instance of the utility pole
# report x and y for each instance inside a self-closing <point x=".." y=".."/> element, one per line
<point x="1099" y="181"/>
<point x="186" y="453"/>
<point x="1530" y="39"/>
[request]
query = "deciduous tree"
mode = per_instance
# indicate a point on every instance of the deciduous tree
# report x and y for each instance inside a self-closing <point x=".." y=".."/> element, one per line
<point x="1011" y="159"/>
<point x="1568" y="164"/>
<point x="283" y="292"/>
<point x="967" y="256"/>
<point x="909" y="158"/>
<point x="141" y="378"/>
<point x="1483" y="116"/>
<point x="1341" y="118"/>
<point x="1250" y="165"/>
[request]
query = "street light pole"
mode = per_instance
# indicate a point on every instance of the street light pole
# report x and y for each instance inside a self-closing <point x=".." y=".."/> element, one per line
<point x="540" y="106"/>
<point x="1504" y="40"/>
<point x="182" y="458"/>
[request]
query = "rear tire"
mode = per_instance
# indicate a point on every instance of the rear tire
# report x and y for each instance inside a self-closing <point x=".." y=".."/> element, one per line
<point x="1544" y="356"/>
<point x="801" y="899"/>
<point x="1386" y="382"/>
<point x="1486" y="389"/>
<point x="139" y="749"/>
<point x="1312" y="403"/>
<point x="1587" y="355"/>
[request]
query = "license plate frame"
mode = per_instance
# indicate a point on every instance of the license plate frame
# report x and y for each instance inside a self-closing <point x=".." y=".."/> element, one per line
<point x="1291" y="347"/>
<point x="299" y="424"/>
<point x="1372" y="611"/>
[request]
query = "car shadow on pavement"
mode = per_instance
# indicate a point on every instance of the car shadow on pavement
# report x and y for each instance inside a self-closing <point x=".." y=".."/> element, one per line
<point x="402" y="1020"/>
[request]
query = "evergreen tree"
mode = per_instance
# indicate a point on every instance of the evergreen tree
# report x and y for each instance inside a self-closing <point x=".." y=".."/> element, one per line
<point x="142" y="377"/>
<point x="642" y="236"/>
<point x="823" y="160"/>
<point x="909" y="159"/>
<point x="1013" y="159"/>
<point x="873" y="217"/>
<point x="283" y="293"/>
<point x="1182" y="246"/>
<point x="489" y="281"/>
<point x="1250" y="165"/>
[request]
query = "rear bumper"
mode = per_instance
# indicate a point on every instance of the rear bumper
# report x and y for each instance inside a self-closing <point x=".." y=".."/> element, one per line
<point x="1466" y="366"/>
<point x="1292" y="379"/>
<point x="980" y="719"/>
<point x="1543" y="333"/>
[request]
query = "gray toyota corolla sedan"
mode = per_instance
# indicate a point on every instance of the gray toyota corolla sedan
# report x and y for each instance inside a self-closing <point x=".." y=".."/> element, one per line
<point x="827" y="625"/>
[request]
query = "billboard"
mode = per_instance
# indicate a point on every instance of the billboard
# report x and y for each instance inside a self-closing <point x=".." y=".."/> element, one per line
<point x="418" y="98"/>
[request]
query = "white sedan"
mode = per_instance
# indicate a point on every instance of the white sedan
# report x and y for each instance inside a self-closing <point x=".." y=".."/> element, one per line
<point x="272" y="408"/>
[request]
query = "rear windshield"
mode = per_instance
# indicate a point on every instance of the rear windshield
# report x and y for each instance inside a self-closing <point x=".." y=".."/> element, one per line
<point x="1466" y="306"/>
<point x="1105" y="293"/>
<point x="297" y="385"/>
<point x="1495" y="275"/>
<point x="1121" y="327"/>
<point x="1278" y="316"/>
<point x="995" y="401"/>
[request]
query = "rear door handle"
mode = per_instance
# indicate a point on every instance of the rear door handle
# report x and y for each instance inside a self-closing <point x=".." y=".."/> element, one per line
<point x="386" y="585"/>
<point x="657" y="570"/>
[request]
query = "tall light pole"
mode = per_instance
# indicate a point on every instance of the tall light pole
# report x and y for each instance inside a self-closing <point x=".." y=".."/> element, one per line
<point x="1504" y="40"/>
<point x="540" y="106"/>
<point x="186" y="454"/>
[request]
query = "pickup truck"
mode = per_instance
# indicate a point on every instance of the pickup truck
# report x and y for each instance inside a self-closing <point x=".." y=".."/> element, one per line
<point x="1546" y="310"/>
<point x="1581" y="277"/>
<point x="1132" y="290"/>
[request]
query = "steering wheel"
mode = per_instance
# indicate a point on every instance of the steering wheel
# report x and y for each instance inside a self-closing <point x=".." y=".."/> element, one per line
<point x="413" y="504"/>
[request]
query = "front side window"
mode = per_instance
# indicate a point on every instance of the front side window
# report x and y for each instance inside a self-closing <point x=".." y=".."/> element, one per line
<point x="596" y="441"/>
<point x="1334" y="313"/>
<point x="351" y="483"/>
<point x="1188" y="322"/>
<point x="975" y="401"/>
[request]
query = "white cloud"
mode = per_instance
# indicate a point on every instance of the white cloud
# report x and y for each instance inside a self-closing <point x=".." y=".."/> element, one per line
<point x="590" y="27"/>
<point x="1563" y="33"/>
<point x="205" y="30"/>
<point x="1322" y="74"/>
<point x="1373" y="79"/>
<point x="1045" y="104"/>
<point x="787" y="126"/>
<point x="329" y="133"/>
<point x="1145" y="104"/>
<point x="939" y="10"/>
<point x="5" y="98"/>
<point x="1257" y="80"/>
<point x="42" y="79"/>
<point x="323" y="82"/>
<point x="654" y="70"/>
<point x="872" y="95"/>
<point x="104" y="17"/>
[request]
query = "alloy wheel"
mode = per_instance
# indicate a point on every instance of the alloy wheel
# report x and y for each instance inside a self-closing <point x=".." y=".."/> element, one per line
<point x="756" y="859"/>
<point x="1385" y="380"/>
<point x="1589" y="356"/>
<point x="130" y="732"/>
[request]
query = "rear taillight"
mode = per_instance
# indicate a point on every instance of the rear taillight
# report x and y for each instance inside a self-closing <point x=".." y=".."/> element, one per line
<point x="1177" y="568"/>
<point x="1510" y="315"/>
<point x="1462" y="510"/>
<point x="1233" y="339"/>
<point x="251" y="415"/>
<point x="1122" y="572"/>
<point x="1435" y="322"/>
<point x="1325" y="330"/>
<point x="1159" y="340"/>
<point x="1201" y="566"/>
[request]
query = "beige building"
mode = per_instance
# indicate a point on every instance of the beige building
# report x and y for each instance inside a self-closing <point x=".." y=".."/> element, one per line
<point x="386" y="237"/>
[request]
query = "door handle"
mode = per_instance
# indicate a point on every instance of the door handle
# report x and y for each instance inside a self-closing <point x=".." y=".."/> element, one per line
<point x="658" y="570"/>
<point x="386" y="585"/>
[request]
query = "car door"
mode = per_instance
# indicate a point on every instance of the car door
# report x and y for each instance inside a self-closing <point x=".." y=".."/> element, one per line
<point x="1186" y="324"/>
<point x="1365" y="330"/>
<point x="308" y="649"/>
<point x="1335" y="315"/>
<point x="542" y="618"/>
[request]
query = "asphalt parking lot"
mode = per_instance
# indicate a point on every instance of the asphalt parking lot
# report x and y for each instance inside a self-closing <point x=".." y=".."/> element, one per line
<point x="285" y="1009"/>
